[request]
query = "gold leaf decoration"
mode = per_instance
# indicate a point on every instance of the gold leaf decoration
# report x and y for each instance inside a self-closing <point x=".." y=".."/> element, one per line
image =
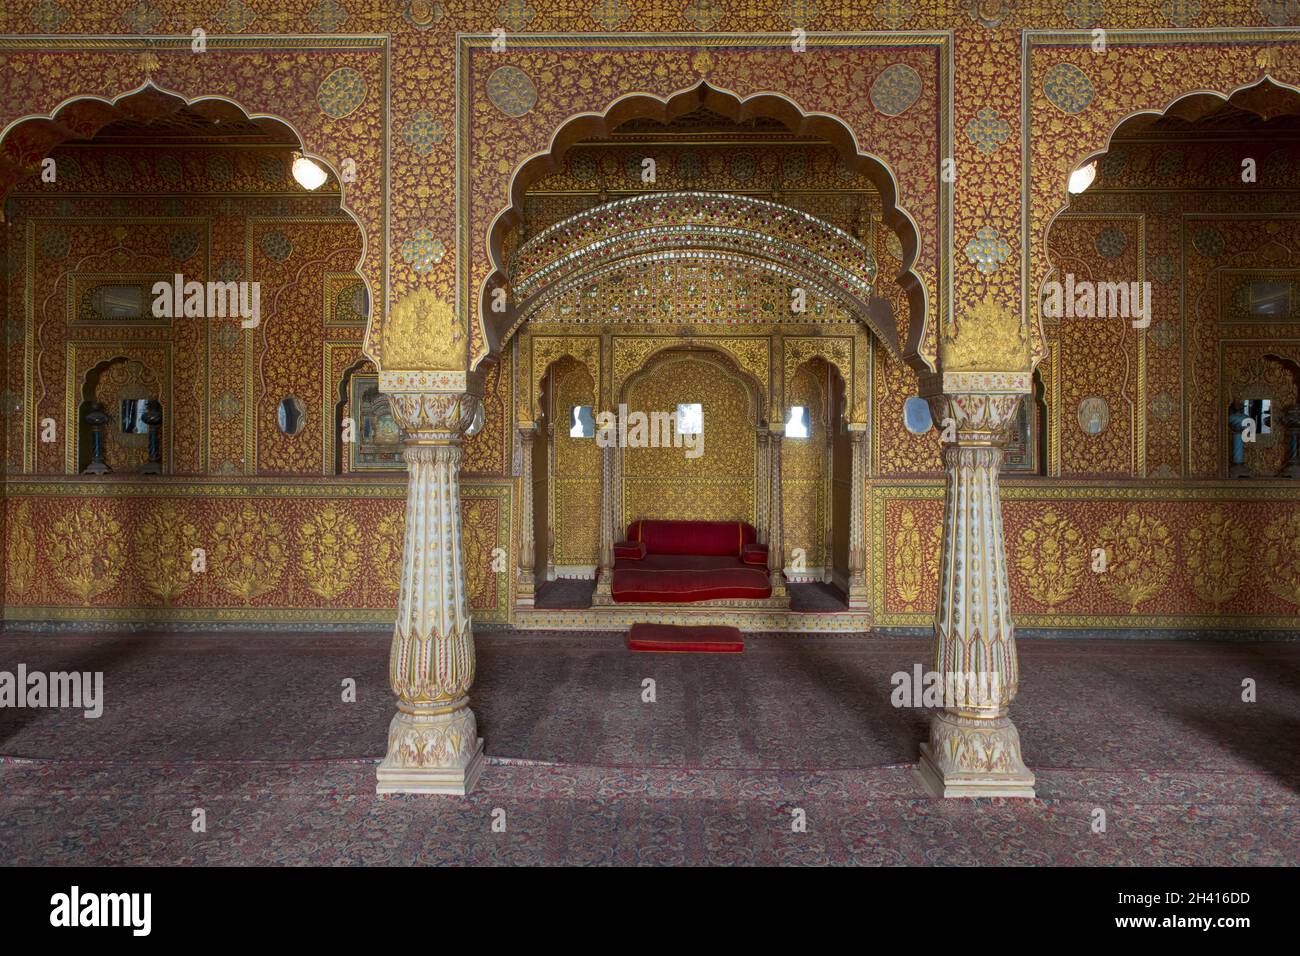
<point x="1139" y="556"/>
<point x="1051" y="557"/>
<point x="1218" y="555"/>
<point x="909" y="560"/>
<point x="21" y="559"/>
<point x="249" y="558"/>
<point x="423" y="331"/>
<point x="387" y="560"/>
<point x="86" y="551"/>
<point x="1282" y="557"/>
<point x="330" y="545"/>
<point x="164" y="552"/>
<point x="988" y="339"/>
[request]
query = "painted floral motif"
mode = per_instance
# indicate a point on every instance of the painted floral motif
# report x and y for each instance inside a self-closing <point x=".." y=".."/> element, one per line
<point x="583" y="167"/>
<point x="1280" y="13"/>
<point x="511" y="91"/>
<point x="387" y="551"/>
<point x="1183" y="13"/>
<point x="1084" y="13"/>
<point x="86" y="552"/>
<point x="1051" y="557"/>
<point x="1111" y="243"/>
<point x="164" y="552"/>
<point x="55" y="244"/>
<point x="277" y="246"/>
<point x="141" y="17"/>
<point x="168" y="168"/>
<point x="423" y="250"/>
<point x="328" y="16"/>
<point x="1163" y="406"/>
<point x="330" y="548"/>
<point x="1209" y="242"/>
<point x="1164" y="334"/>
<point x="48" y="16"/>
<point x="909" y="563"/>
<point x="118" y="168"/>
<point x="743" y="167"/>
<point x="422" y="132"/>
<point x="341" y="92"/>
<point x="1162" y="268"/>
<point x="702" y="14"/>
<point x="1282" y="557"/>
<point x="988" y="130"/>
<point x="248" y="558"/>
<point x="20" y="560"/>
<point x="799" y="13"/>
<point x="423" y="14"/>
<point x="988" y="13"/>
<point x="1139" y="556"/>
<point x="229" y="270"/>
<point x="895" y="89"/>
<point x="1217" y="552"/>
<point x="228" y="405"/>
<point x="894" y="13"/>
<point x="184" y="243"/>
<point x="236" y="17"/>
<point x="1068" y="88"/>
<point x="987" y="250"/>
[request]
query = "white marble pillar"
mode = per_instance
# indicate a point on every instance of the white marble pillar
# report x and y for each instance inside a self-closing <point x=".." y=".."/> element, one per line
<point x="526" y="577"/>
<point x="974" y="748"/>
<point x="433" y="742"/>
<point x="859" y="596"/>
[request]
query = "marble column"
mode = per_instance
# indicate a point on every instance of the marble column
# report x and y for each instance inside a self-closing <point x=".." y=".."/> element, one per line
<point x="526" y="577"/>
<point x="775" y="530"/>
<point x="433" y="741"/>
<point x="858" y="596"/>
<point x="974" y="748"/>
<point x="603" y="594"/>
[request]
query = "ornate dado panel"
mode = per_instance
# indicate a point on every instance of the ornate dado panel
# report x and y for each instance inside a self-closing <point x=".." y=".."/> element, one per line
<point x="332" y="90"/>
<point x="891" y="90"/>
<point x="275" y="552"/>
<point x="1208" y="555"/>
<point x="1074" y="99"/>
<point x="718" y="485"/>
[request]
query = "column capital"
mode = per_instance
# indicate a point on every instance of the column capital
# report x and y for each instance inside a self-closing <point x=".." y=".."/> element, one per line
<point x="440" y="417"/>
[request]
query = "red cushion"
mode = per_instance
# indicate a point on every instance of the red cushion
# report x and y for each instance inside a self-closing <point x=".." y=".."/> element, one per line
<point x="693" y="537"/>
<point x="631" y="550"/>
<point x="754" y="554"/>
<point x="686" y="578"/>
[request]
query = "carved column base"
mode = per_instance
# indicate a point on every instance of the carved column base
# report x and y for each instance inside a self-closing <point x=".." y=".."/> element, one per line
<point x="432" y="753"/>
<point x="603" y="596"/>
<point x="859" y="597"/>
<point x="974" y="757"/>
<point x="525" y="591"/>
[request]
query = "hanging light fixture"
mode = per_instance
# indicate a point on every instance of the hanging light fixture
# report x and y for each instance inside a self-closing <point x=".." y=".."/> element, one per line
<point x="1082" y="178"/>
<point x="310" y="175"/>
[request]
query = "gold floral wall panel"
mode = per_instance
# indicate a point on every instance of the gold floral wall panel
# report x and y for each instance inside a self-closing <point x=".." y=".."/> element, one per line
<point x="803" y="470"/>
<point x="895" y="450"/>
<point x="718" y="485"/>
<point x="576" y="495"/>
<point x="1214" y="555"/>
<point x="274" y="552"/>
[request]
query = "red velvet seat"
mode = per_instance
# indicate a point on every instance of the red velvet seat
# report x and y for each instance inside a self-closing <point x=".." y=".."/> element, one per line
<point x="688" y="561"/>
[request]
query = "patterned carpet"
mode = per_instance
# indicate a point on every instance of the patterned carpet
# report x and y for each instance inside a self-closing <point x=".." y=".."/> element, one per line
<point x="252" y="729"/>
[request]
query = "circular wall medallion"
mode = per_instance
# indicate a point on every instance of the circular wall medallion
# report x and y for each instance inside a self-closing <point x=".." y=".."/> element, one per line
<point x="1111" y="243"/>
<point x="219" y="168"/>
<point x="1208" y="242"/>
<point x="422" y="132"/>
<point x="1162" y="406"/>
<point x="511" y="91"/>
<point x="277" y="246"/>
<point x="689" y="167"/>
<point x="55" y="244"/>
<point x="743" y="167"/>
<point x="118" y="168"/>
<point x="1094" y="415"/>
<point x="895" y="89"/>
<point x="184" y="243"/>
<point x="916" y="415"/>
<point x="1068" y="88"/>
<point x="271" y="169"/>
<point x="169" y="168"/>
<point x="341" y="92"/>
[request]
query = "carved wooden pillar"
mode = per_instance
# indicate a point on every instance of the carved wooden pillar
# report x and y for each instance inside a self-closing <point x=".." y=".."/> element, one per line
<point x="762" y="485"/>
<point x="974" y="748"/>
<point x="605" y="572"/>
<point x="525" y="579"/>
<point x="775" y="530"/>
<point x="550" y="499"/>
<point x="859" y="596"/>
<point x="433" y="741"/>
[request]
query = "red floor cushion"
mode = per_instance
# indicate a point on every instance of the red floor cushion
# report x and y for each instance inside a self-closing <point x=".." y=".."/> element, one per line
<point x="693" y="537"/>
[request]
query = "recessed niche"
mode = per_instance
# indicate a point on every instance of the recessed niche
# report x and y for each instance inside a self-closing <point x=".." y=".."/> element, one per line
<point x="133" y="410"/>
<point x="582" y="422"/>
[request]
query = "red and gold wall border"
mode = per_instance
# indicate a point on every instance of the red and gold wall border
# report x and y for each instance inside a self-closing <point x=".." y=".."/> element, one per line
<point x="1210" y="554"/>
<point x="660" y="66"/>
<point x="325" y="551"/>
<point x="1092" y="94"/>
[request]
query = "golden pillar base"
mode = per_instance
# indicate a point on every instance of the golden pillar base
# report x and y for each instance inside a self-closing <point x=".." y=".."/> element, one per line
<point x="439" y="753"/>
<point x="974" y="757"/>
<point x="603" y="596"/>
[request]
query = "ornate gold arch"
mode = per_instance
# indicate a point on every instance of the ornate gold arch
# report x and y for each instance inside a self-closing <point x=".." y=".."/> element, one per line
<point x="541" y="352"/>
<point x="712" y="351"/>
<point x="746" y="356"/>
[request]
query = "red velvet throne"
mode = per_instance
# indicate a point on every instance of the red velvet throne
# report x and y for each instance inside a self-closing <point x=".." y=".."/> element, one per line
<point x="682" y="562"/>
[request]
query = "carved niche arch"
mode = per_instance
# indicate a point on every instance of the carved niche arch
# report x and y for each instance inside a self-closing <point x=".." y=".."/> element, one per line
<point x="498" y="326"/>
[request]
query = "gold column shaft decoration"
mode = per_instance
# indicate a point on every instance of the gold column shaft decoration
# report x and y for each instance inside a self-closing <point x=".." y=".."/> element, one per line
<point x="973" y="747"/>
<point x="775" y="531"/>
<point x="525" y="579"/>
<point x="762" y="486"/>
<point x="859" y="594"/>
<point x="604" y="594"/>
<point x="433" y="742"/>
